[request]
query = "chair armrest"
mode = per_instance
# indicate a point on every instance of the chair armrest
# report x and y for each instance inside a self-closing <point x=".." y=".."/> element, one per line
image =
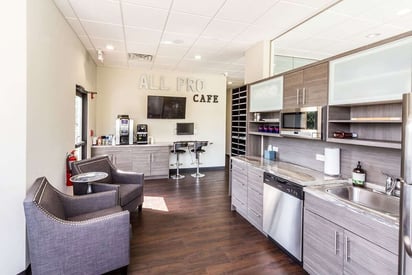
<point x="95" y="241"/>
<point x="120" y="177"/>
<point x="78" y="205"/>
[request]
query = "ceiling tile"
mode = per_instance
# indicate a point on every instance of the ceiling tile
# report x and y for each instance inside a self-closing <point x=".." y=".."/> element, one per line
<point x="171" y="50"/>
<point x="101" y="30"/>
<point x="136" y="35"/>
<point x="86" y="42"/>
<point x="404" y="22"/>
<point x="186" y="23"/>
<point x="179" y="38"/>
<point x="206" y="8"/>
<point x="101" y="44"/>
<point x="347" y="29"/>
<point x="210" y="44"/>
<point x="163" y="4"/>
<point x="314" y="3"/>
<point x="354" y="7"/>
<point x="140" y="66"/>
<point x="141" y="48"/>
<point x="246" y="11"/>
<point x="223" y="29"/>
<point x="386" y="11"/>
<point x="65" y="8"/>
<point x="98" y="10"/>
<point x="144" y="17"/>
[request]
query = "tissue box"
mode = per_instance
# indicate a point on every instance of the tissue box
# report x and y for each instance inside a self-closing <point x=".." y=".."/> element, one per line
<point x="270" y="155"/>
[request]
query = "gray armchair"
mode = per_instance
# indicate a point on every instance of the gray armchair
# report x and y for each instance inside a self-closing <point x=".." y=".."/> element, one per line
<point x="129" y="185"/>
<point x="75" y="235"/>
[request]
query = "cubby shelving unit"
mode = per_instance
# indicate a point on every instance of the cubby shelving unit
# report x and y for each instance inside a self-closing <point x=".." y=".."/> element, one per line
<point x="239" y="121"/>
<point x="377" y="125"/>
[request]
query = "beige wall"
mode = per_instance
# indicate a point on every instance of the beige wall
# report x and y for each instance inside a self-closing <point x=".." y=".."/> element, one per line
<point x="119" y="93"/>
<point x="257" y="62"/>
<point x="13" y="135"/>
<point x="57" y="61"/>
<point x="37" y="110"/>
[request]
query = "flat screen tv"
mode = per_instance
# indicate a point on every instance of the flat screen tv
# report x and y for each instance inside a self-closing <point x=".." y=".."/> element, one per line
<point x="169" y="107"/>
<point x="185" y="128"/>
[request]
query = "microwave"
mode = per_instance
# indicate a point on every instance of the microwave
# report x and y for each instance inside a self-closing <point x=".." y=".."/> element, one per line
<point x="304" y="122"/>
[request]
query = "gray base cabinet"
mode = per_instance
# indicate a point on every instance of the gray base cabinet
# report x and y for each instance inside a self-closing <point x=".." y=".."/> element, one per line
<point x="329" y="248"/>
<point x="152" y="160"/>
<point x="247" y="192"/>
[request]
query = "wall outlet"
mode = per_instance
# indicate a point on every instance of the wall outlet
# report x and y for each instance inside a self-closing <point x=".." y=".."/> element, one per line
<point x="320" y="157"/>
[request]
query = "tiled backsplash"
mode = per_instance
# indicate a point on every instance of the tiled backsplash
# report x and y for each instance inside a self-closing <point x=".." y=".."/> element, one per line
<point x="374" y="160"/>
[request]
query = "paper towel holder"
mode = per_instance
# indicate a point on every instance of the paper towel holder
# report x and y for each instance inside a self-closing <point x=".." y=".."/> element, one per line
<point x="332" y="162"/>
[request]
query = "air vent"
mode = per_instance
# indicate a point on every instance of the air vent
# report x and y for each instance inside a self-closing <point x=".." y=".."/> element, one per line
<point x="140" y="57"/>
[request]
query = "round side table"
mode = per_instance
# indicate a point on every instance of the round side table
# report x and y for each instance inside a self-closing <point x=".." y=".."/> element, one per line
<point x="88" y="178"/>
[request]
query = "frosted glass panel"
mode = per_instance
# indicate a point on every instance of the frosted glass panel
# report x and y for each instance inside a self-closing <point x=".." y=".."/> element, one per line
<point x="266" y="95"/>
<point x="379" y="74"/>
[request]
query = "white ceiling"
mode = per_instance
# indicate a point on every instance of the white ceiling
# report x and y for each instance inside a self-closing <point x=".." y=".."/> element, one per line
<point x="222" y="30"/>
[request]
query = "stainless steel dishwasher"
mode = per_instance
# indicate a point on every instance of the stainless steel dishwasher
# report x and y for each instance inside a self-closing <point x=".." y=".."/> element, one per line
<point x="282" y="214"/>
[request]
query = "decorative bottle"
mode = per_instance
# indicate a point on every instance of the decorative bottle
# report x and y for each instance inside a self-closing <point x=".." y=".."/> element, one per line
<point x="358" y="176"/>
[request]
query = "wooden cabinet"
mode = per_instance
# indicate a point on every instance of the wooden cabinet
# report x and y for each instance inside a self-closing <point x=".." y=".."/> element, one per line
<point x="120" y="156"/>
<point x="306" y="87"/>
<point x="152" y="160"/>
<point x="378" y="125"/>
<point x="336" y="240"/>
<point x="239" y="117"/>
<point x="247" y="192"/>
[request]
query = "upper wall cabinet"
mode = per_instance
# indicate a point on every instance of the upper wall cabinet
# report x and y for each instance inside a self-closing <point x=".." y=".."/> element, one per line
<point x="266" y="95"/>
<point x="379" y="74"/>
<point x="306" y="87"/>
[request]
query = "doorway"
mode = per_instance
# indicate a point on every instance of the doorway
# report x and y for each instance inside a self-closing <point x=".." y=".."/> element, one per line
<point x="80" y="125"/>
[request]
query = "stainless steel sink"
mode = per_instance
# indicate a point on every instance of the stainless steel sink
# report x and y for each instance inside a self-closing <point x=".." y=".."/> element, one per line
<point x="368" y="198"/>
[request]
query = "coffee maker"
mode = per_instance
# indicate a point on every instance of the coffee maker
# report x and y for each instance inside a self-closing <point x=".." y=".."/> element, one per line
<point x="124" y="130"/>
<point x="141" y="134"/>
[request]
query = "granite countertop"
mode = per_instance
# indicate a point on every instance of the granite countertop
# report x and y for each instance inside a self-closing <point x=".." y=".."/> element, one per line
<point x="295" y="173"/>
<point x="134" y="145"/>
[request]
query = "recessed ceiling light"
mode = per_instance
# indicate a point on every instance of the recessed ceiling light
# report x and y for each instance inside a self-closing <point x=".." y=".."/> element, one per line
<point x="167" y="42"/>
<point x="372" y="35"/>
<point x="109" y="47"/>
<point x="230" y="82"/>
<point x="198" y="57"/>
<point x="404" y="11"/>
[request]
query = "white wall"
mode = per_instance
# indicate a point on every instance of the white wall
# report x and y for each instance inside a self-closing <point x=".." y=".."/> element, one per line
<point x="119" y="93"/>
<point x="37" y="110"/>
<point x="13" y="135"/>
<point x="57" y="61"/>
<point x="257" y="62"/>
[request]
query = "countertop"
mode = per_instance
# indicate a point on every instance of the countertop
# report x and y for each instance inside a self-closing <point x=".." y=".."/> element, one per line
<point x="133" y="145"/>
<point x="292" y="172"/>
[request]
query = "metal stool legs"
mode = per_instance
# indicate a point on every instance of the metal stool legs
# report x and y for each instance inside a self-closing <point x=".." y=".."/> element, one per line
<point x="198" y="174"/>
<point x="177" y="176"/>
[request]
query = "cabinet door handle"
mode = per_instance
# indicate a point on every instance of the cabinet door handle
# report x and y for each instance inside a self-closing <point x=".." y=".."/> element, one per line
<point x="336" y="242"/>
<point x="347" y="248"/>
<point x="304" y="96"/>
<point x="297" y="96"/>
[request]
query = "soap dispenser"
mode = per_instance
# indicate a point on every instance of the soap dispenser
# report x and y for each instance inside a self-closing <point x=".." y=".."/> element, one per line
<point x="358" y="176"/>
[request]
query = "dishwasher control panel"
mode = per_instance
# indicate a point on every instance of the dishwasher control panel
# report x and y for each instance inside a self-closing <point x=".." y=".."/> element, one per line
<point x="284" y="185"/>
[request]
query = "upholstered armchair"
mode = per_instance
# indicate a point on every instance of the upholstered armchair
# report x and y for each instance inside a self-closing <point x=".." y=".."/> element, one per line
<point x="129" y="185"/>
<point x="75" y="234"/>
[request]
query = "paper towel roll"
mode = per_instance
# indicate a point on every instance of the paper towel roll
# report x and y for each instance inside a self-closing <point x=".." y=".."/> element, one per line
<point x="332" y="161"/>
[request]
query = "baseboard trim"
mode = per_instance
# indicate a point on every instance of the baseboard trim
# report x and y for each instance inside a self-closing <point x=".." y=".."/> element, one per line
<point x="193" y="170"/>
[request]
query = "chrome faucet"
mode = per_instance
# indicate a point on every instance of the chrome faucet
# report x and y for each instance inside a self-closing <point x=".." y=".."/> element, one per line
<point x="392" y="186"/>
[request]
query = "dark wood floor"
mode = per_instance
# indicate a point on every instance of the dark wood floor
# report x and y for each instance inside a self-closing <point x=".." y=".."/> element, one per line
<point x="199" y="234"/>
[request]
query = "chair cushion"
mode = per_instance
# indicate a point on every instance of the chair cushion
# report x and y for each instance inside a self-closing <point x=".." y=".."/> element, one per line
<point x="50" y="201"/>
<point x="95" y="214"/>
<point x="129" y="192"/>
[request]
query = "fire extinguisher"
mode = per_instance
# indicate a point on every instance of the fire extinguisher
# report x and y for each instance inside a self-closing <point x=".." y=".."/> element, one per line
<point x="70" y="158"/>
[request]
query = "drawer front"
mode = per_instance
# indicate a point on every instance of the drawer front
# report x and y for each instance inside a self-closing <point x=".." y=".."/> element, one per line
<point x="255" y="200"/>
<point x="240" y="206"/>
<point x="255" y="218"/>
<point x="239" y="164"/>
<point x="255" y="178"/>
<point x="239" y="190"/>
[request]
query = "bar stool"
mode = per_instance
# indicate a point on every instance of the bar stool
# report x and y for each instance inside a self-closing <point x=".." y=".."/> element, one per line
<point x="198" y="150"/>
<point x="177" y="149"/>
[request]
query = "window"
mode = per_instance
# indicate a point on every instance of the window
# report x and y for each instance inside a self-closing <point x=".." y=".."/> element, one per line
<point x="80" y="120"/>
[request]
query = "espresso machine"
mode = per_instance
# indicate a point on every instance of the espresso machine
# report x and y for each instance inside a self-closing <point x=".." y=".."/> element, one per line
<point x="141" y="134"/>
<point x="124" y="130"/>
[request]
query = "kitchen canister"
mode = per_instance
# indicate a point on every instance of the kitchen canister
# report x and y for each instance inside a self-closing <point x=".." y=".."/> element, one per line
<point x="332" y="162"/>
